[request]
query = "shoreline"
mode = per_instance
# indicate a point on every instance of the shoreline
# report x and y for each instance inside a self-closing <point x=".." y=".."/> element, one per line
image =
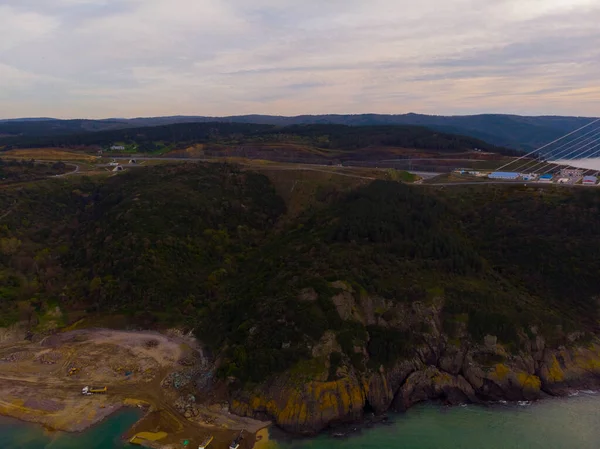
<point x="351" y="430"/>
<point x="37" y="417"/>
<point x="108" y="433"/>
<point x="262" y="435"/>
<point x="53" y="423"/>
<point x="259" y="435"/>
<point x="41" y="383"/>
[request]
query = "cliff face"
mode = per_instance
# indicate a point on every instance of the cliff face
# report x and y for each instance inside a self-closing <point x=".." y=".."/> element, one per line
<point x="452" y="370"/>
<point x="313" y="406"/>
<point x="306" y="408"/>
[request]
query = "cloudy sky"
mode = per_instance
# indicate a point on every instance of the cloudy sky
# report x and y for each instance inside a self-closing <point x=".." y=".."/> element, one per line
<point x="129" y="58"/>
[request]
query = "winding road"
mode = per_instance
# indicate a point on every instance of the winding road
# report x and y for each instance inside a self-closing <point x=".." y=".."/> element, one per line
<point x="74" y="171"/>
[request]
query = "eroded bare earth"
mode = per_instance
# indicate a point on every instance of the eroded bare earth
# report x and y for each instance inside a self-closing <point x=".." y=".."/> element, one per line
<point x="166" y="375"/>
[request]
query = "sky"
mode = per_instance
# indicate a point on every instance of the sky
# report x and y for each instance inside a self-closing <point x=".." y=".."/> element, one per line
<point x="140" y="58"/>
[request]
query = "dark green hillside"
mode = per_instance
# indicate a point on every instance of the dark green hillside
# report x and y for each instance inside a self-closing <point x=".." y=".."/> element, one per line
<point x="498" y="259"/>
<point x="51" y="127"/>
<point x="181" y="133"/>
<point x="36" y="228"/>
<point x="385" y="239"/>
<point x="512" y="131"/>
<point x="211" y="247"/>
<point x="546" y="241"/>
<point x="157" y="240"/>
<point x="169" y="235"/>
<point x="329" y="137"/>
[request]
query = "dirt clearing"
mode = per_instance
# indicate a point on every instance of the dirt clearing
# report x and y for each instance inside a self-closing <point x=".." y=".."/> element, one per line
<point x="167" y="375"/>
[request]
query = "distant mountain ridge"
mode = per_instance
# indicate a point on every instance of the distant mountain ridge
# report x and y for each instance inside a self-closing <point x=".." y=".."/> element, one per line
<point x="512" y="131"/>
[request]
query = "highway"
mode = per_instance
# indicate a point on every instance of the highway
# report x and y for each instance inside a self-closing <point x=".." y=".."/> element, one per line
<point x="161" y="158"/>
<point x="265" y="167"/>
<point x="422" y="174"/>
<point x="425" y="174"/>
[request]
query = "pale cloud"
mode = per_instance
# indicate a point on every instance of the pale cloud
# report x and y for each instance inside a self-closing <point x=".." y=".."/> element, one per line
<point x="105" y="58"/>
<point x="20" y="27"/>
<point x="13" y="79"/>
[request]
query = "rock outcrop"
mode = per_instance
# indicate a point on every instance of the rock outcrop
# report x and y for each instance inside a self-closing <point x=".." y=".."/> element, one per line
<point x="454" y="371"/>
<point x="313" y="406"/>
<point x="14" y="333"/>
<point x="307" y="408"/>
<point x="565" y="369"/>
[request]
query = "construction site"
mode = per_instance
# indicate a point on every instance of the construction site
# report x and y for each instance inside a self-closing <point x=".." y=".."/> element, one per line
<point x="73" y="380"/>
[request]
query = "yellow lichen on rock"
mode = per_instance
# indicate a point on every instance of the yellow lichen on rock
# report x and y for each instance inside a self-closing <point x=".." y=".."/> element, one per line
<point x="308" y="406"/>
<point x="501" y="371"/>
<point x="588" y="362"/>
<point x="555" y="372"/>
<point x="529" y="381"/>
<point x="441" y="378"/>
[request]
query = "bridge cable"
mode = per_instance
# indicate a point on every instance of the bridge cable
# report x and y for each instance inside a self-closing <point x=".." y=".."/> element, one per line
<point x="548" y="144"/>
<point x="564" y="152"/>
<point x="570" y="144"/>
<point x="546" y="163"/>
<point x="560" y="163"/>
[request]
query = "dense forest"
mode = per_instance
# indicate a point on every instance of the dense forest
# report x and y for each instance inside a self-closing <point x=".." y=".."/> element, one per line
<point x="328" y="137"/>
<point x="512" y="131"/>
<point x="211" y="248"/>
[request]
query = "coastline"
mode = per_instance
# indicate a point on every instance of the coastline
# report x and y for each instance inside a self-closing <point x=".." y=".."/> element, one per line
<point x="66" y="416"/>
<point x="41" y="382"/>
<point x="107" y="434"/>
<point x="258" y="438"/>
<point x="262" y="438"/>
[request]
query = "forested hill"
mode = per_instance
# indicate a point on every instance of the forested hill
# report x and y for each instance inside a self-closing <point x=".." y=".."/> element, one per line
<point x="332" y="137"/>
<point x="512" y="131"/>
<point x="211" y="248"/>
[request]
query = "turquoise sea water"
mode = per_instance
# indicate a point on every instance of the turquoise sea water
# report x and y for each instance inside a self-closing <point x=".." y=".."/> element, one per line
<point x="569" y="423"/>
<point x="107" y="435"/>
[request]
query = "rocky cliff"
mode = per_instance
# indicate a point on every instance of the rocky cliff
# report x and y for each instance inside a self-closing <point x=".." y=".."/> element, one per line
<point x="453" y="370"/>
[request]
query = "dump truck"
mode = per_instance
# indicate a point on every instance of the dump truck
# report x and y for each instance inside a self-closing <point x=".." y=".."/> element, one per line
<point x="93" y="390"/>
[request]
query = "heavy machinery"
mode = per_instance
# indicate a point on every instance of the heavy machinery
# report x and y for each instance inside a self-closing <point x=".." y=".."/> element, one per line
<point x="93" y="390"/>
<point x="235" y="444"/>
<point x="73" y="371"/>
<point x="206" y="442"/>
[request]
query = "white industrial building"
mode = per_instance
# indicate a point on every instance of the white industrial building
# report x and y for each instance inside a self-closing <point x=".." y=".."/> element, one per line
<point x="504" y="175"/>
<point x="571" y="172"/>
<point x="590" y="180"/>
